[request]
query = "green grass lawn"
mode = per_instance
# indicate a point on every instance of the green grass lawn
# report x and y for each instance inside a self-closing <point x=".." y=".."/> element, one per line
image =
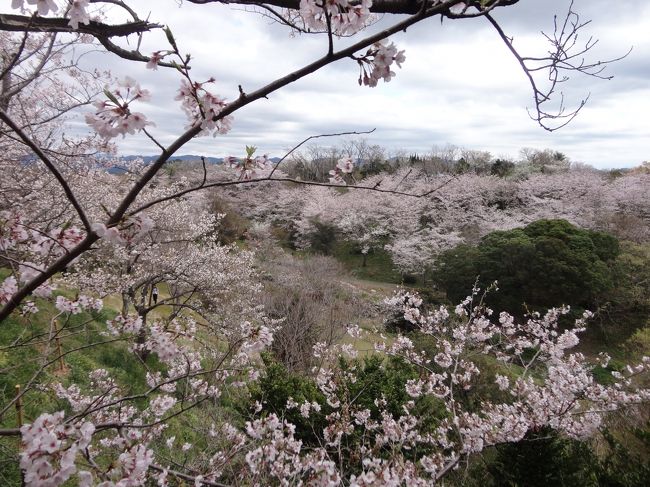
<point x="379" y="266"/>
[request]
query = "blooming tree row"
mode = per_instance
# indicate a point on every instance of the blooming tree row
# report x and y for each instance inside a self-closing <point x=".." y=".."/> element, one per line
<point x="455" y="209"/>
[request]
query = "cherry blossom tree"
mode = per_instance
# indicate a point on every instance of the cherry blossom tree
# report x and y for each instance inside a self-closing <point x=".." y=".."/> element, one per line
<point x="457" y="208"/>
<point x="113" y="434"/>
<point x="209" y="114"/>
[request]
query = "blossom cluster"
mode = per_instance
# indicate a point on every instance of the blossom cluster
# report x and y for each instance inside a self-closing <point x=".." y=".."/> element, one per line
<point x="344" y="165"/>
<point x="113" y="116"/>
<point x="345" y="17"/>
<point x="130" y="325"/>
<point x="375" y="64"/>
<point x="12" y="230"/>
<point x="32" y="249"/>
<point x="57" y="242"/>
<point x="257" y="338"/>
<point x="82" y="303"/>
<point x="154" y="59"/>
<point x="127" y="232"/>
<point x="77" y="10"/>
<point x="248" y="166"/>
<point x="557" y="400"/>
<point x="50" y="449"/>
<point x="8" y="288"/>
<point x="202" y="106"/>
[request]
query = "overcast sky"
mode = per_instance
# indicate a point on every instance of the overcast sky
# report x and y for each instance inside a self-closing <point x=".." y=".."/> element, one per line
<point x="459" y="84"/>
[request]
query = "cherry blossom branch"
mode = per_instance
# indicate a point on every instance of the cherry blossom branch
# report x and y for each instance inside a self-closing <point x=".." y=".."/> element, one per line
<point x="130" y="55"/>
<point x="143" y="395"/>
<point x="59" y="265"/>
<point x="102" y="32"/>
<point x="378" y="6"/>
<point x="245" y="99"/>
<point x="23" y="23"/>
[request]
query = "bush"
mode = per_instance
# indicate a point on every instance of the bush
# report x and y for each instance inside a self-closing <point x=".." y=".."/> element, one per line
<point x="546" y="264"/>
<point x="541" y="459"/>
<point x="544" y="458"/>
<point x="376" y="379"/>
<point x="232" y="226"/>
<point x="323" y="238"/>
<point x="274" y="389"/>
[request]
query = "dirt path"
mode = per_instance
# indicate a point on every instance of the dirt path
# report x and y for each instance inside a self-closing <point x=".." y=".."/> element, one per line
<point x="374" y="289"/>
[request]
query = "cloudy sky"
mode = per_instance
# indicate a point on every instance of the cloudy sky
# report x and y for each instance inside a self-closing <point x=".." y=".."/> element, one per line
<point x="459" y="84"/>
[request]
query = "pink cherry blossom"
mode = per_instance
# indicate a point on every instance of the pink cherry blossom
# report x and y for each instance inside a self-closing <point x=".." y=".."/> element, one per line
<point x="114" y="117"/>
<point x="78" y="13"/>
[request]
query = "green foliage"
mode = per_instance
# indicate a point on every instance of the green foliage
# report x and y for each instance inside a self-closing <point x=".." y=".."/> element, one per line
<point x="379" y="266"/>
<point x="547" y="263"/>
<point x="541" y="459"/>
<point x="454" y="269"/>
<point x="625" y="465"/>
<point x="639" y="343"/>
<point x="502" y="168"/>
<point x="323" y="238"/>
<point x="462" y="166"/>
<point x="545" y="458"/>
<point x="232" y="226"/>
<point x="628" y="303"/>
<point x="275" y="388"/>
<point x="376" y="378"/>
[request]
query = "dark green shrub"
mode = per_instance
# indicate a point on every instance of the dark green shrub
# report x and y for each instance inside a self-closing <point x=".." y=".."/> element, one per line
<point x="376" y="378"/>
<point x="548" y="263"/>
<point x="543" y="459"/>
<point x="502" y="168"/>
<point x="323" y="238"/>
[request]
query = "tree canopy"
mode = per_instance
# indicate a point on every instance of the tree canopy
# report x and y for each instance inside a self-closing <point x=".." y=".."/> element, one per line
<point x="547" y="263"/>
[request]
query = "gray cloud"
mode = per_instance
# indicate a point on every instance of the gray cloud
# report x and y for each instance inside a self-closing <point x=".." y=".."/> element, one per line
<point x="459" y="84"/>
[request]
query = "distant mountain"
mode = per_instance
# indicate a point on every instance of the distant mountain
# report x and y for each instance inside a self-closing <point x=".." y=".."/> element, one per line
<point x="183" y="158"/>
<point x="187" y="157"/>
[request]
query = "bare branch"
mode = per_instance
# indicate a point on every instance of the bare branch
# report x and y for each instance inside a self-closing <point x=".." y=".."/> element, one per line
<point x="22" y="23"/>
<point x="564" y="57"/>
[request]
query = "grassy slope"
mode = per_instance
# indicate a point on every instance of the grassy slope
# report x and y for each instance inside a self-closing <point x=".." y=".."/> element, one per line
<point x="22" y="364"/>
